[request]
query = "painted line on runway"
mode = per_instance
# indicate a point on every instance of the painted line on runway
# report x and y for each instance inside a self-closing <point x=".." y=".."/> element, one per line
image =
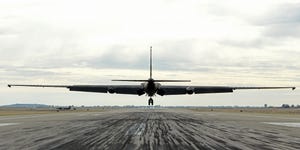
<point x="21" y="117"/>
<point x="287" y="124"/>
<point x="90" y="114"/>
<point x="96" y="114"/>
<point x="29" y="116"/>
<point x="250" y="115"/>
<point x="80" y="115"/>
<point x="8" y="124"/>
<point x="36" y="116"/>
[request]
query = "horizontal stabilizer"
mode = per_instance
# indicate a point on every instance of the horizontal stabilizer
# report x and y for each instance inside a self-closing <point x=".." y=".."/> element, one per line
<point x="172" y="80"/>
<point x="154" y="80"/>
<point x="131" y="80"/>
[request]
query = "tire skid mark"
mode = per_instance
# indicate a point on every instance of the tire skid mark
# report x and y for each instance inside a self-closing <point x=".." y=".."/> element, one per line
<point x="151" y="129"/>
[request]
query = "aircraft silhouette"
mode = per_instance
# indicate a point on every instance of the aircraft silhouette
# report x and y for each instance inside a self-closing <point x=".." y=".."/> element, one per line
<point x="150" y="87"/>
<point x="64" y="108"/>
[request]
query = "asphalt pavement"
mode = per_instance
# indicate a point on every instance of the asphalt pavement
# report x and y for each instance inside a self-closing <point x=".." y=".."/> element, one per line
<point x="150" y="129"/>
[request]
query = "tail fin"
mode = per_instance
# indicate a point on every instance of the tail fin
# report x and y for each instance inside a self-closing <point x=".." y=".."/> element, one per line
<point x="150" y="62"/>
<point x="151" y="74"/>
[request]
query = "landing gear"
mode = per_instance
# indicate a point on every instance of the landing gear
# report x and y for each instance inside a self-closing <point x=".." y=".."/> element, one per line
<point x="150" y="101"/>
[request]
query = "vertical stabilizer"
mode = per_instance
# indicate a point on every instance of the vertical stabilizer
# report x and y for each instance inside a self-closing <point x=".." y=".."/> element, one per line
<point x="150" y="62"/>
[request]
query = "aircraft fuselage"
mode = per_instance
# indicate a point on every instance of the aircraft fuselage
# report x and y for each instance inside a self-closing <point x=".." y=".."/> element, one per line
<point x="151" y="87"/>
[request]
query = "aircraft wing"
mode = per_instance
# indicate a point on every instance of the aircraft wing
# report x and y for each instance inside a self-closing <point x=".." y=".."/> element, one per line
<point x="119" y="89"/>
<point x="178" y="90"/>
<point x="138" y="89"/>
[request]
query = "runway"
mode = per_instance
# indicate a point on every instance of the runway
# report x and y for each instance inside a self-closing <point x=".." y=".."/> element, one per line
<point x="150" y="129"/>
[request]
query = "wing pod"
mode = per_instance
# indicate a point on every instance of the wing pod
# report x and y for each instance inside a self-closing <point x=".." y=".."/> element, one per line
<point x="84" y="88"/>
<point x="212" y="89"/>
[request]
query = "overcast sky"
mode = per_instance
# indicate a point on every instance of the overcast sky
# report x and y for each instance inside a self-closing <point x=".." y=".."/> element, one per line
<point x="212" y="42"/>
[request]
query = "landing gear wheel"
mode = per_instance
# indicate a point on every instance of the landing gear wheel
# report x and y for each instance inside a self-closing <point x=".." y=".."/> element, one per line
<point x="150" y="101"/>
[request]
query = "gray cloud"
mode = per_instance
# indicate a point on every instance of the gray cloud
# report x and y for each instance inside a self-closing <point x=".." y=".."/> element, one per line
<point x="24" y="74"/>
<point x="63" y="48"/>
<point x="38" y="44"/>
<point x="257" y="43"/>
<point x="282" y="14"/>
<point x="282" y="21"/>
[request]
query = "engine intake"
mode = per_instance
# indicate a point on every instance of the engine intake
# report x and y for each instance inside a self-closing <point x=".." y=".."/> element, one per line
<point x="190" y="90"/>
<point x="161" y="92"/>
<point x="141" y="92"/>
<point x="111" y="91"/>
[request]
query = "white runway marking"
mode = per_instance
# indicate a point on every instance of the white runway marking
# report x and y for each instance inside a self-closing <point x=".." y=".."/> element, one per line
<point x="254" y="115"/>
<point x="7" y="124"/>
<point x="288" y="124"/>
<point x="18" y="117"/>
<point x="34" y="116"/>
<point x="96" y="114"/>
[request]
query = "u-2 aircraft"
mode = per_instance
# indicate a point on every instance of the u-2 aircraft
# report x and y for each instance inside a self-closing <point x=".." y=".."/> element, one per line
<point x="151" y="87"/>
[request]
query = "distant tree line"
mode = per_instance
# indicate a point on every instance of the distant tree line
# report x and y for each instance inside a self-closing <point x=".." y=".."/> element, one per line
<point x="290" y="106"/>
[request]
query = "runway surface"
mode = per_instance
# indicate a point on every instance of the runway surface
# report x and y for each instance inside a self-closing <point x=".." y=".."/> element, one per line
<point x="150" y="129"/>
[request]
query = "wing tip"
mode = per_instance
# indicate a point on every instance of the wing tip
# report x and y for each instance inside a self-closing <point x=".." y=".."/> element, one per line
<point x="9" y="85"/>
<point x="293" y="88"/>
